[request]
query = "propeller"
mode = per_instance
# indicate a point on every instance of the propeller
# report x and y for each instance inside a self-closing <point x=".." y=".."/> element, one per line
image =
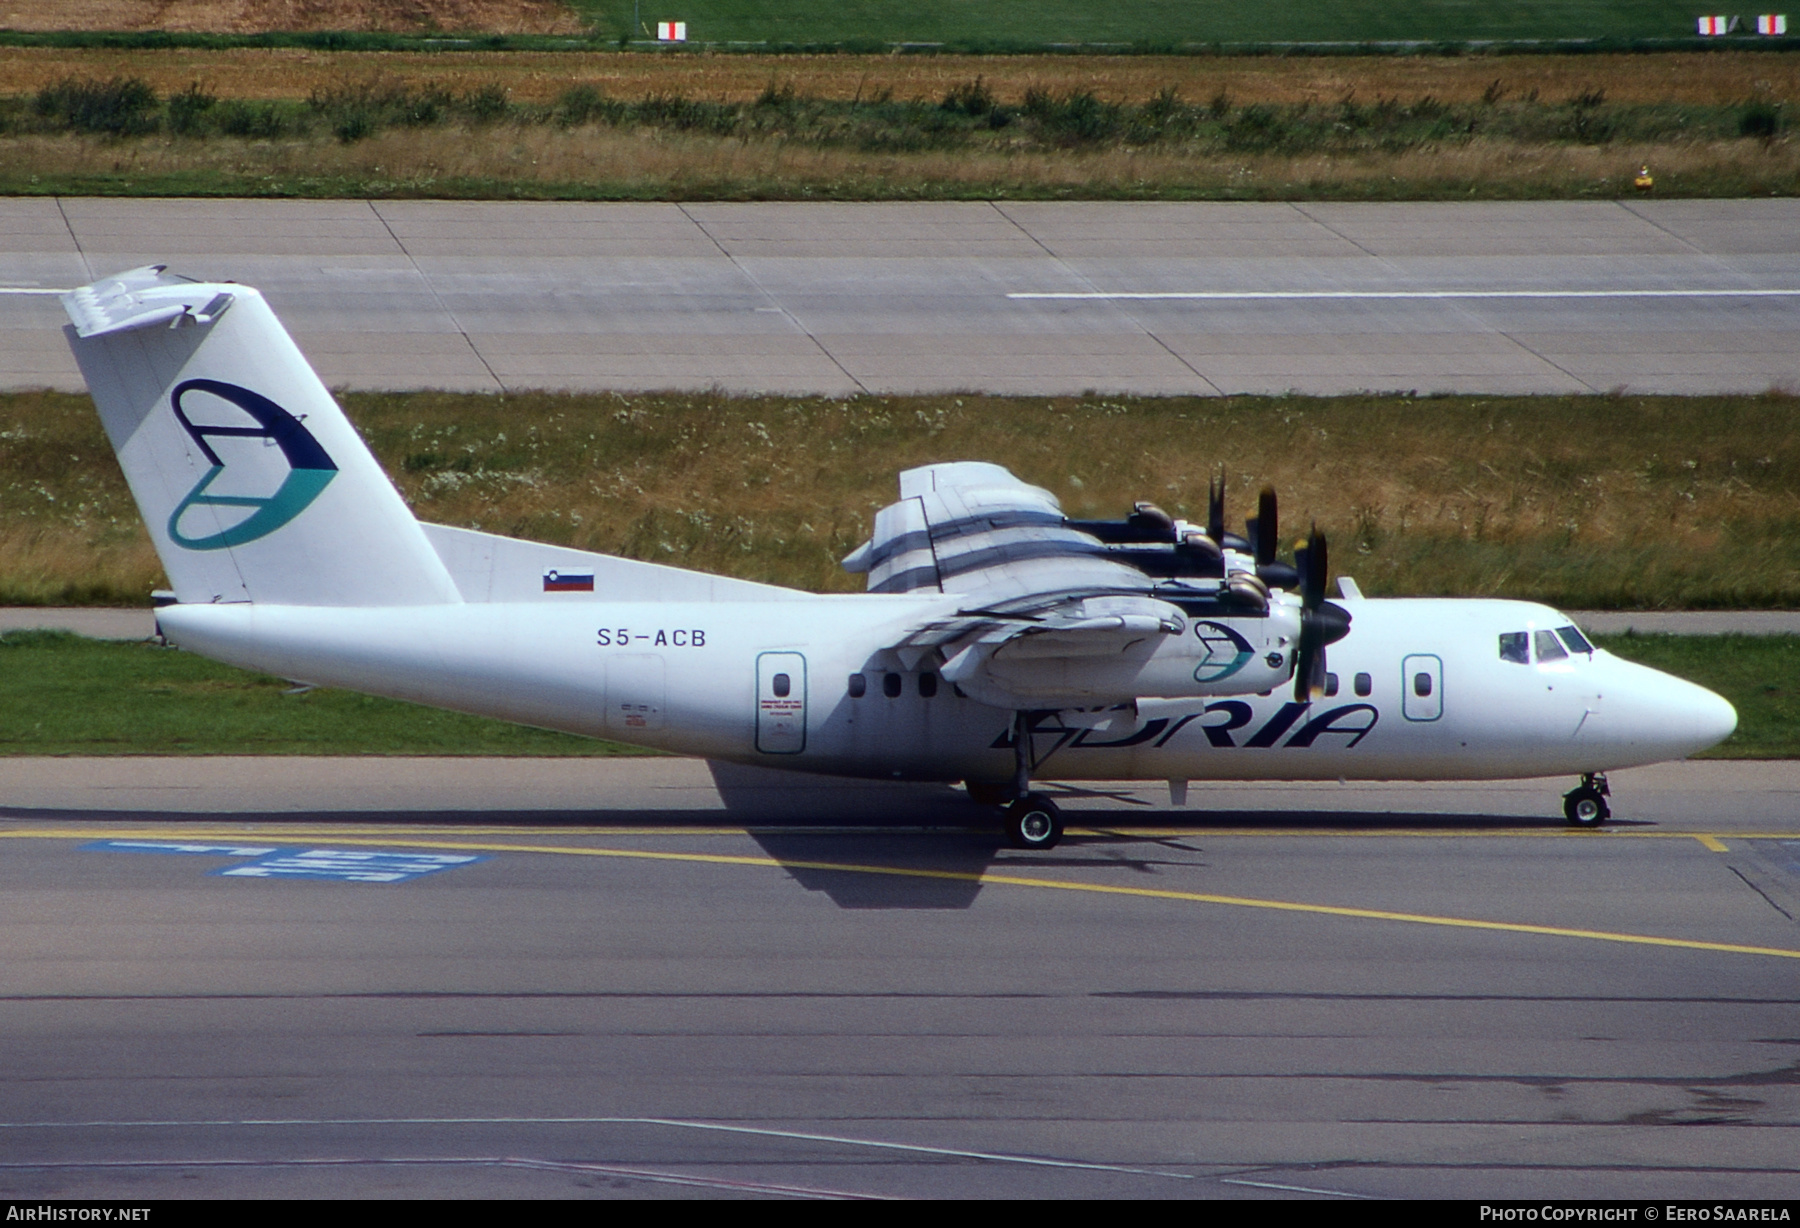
<point x="1265" y="529"/>
<point x="1321" y="622"/>
<point x="1215" y="517"/>
<point x="1265" y="532"/>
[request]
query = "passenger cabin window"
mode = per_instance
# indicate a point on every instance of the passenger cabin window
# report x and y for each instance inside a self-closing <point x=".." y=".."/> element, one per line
<point x="859" y="686"/>
<point x="1576" y="641"/>
<point x="1364" y="684"/>
<point x="1549" y="648"/>
<point x="1421" y="685"/>
<point x="890" y="685"/>
<point x="781" y="685"/>
<point x="1515" y="646"/>
<point x="927" y="685"/>
<point x="1331" y="685"/>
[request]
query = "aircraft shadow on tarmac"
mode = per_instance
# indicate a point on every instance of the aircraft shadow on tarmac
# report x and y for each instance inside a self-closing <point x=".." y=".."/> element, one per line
<point x="811" y="824"/>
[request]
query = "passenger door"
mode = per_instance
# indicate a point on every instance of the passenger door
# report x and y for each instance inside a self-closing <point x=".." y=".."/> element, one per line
<point x="780" y="703"/>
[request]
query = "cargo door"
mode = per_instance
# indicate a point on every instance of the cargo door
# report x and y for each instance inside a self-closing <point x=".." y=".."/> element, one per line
<point x="780" y="703"/>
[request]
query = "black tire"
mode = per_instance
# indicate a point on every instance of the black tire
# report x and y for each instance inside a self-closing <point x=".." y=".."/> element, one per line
<point x="1585" y="807"/>
<point x="1033" y="822"/>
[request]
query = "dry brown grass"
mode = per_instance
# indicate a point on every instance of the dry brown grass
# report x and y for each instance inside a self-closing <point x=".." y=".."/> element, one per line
<point x="1712" y="79"/>
<point x="647" y="163"/>
<point x="1586" y="502"/>
<point x="1583" y="501"/>
<point x="258" y="16"/>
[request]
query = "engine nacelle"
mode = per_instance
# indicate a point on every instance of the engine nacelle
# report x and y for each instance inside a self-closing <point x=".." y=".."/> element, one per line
<point x="1194" y="658"/>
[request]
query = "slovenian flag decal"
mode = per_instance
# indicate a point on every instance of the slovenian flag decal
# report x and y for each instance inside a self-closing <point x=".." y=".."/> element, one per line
<point x="568" y="581"/>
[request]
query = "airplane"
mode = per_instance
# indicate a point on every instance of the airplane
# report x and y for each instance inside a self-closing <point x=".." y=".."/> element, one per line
<point x="999" y="642"/>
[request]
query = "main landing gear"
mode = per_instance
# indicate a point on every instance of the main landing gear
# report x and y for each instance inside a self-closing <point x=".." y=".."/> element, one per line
<point x="1585" y="805"/>
<point x="1032" y="820"/>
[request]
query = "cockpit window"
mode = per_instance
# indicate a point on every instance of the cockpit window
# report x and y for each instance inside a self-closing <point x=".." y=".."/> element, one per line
<point x="1549" y="648"/>
<point x="1515" y="646"/>
<point x="1576" y="641"/>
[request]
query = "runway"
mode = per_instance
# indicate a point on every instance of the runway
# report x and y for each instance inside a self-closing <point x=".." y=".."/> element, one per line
<point x="632" y="978"/>
<point x="1048" y="298"/>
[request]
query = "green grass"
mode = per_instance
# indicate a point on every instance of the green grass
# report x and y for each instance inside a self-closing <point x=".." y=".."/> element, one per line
<point x="1759" y="674"/>
<point x="61" y="694"/>
<point x="1002" y="25"/>
<point x="1165" y="23"/>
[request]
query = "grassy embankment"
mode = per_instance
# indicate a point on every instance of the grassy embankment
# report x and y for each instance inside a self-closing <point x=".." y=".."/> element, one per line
<point x="593" y="126"/>
<point x="64" y="695"/>
<point x="1154" y="23"/>
<point x="1585" y="502"/>
<point x="850" y="24"/>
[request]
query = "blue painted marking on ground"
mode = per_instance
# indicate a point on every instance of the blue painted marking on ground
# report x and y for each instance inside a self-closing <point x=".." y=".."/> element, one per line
<point x="273" y="861"/>
<point x="349" y="865"/>
<point x="1792" y="849"/>
<point x="163" y="846"/>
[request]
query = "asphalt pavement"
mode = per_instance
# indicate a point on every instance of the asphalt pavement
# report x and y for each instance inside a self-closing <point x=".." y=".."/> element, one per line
<point x="641" y="978"/>
<point x="1055" y="298"/>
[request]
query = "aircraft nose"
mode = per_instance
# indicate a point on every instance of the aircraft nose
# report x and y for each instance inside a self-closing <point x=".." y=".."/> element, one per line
<point x="1657" y="715"/>
<point x="1689" y="717"/>
<point x="1707" y="718"/>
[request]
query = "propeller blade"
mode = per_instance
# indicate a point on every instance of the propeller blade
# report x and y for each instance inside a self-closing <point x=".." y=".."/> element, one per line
<point x="1215" y="508"/>
<point x="1266" y="528"/>
<point x="1318" y="625"/>
<point x="1312" y="571"/>
<point x="1309" y="666"/>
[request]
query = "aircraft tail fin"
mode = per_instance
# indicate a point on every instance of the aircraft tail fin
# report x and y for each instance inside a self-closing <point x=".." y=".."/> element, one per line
<point x="252" y="482"/>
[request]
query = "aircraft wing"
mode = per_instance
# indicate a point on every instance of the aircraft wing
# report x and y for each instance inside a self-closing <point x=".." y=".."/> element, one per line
<point x="1033" y="585"/>
<point x="973" y="528"/>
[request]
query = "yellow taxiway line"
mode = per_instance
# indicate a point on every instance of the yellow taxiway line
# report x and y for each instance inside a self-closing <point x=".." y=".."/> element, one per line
<point x="268" y="828"/>
<point x="984" y="878"/>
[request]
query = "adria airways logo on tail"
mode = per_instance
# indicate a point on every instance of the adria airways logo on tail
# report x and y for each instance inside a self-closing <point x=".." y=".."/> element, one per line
<point x="260" y="487"/>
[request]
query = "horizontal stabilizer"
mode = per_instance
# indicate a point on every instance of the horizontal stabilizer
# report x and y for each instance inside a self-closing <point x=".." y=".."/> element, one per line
<point x="118" y="304"/>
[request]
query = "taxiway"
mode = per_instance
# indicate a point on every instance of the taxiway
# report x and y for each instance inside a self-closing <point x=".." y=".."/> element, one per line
<point x="641" y="977"/>
<point x="1053" y="298"/>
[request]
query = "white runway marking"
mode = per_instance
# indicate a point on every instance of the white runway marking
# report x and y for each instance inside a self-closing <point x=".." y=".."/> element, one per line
<point x="1000" y="1157"/>
<point x="1297" y="1189"/>
<point x="1313" y="295"/>
<point x="656" y="1176"/>
<point x="28" y="290"/>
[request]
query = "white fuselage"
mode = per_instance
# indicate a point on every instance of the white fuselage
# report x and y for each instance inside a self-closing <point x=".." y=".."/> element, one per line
<point x="770" y="682"/>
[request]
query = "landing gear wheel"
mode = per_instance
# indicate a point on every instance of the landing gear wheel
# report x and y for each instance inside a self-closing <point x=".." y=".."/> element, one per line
<point x="1033" y="822"/>
<point x="1586" y="807"/>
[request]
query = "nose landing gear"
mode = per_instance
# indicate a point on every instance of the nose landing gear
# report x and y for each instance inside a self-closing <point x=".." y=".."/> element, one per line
<point x="1585" y="805"/>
